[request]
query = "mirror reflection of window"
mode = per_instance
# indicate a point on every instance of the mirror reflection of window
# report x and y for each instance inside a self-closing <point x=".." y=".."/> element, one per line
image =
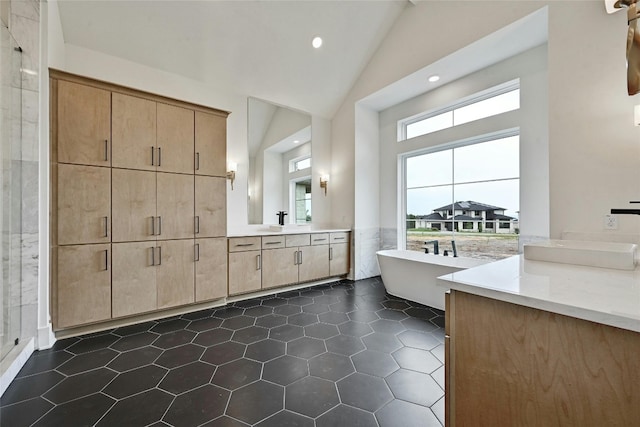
<point x="302" y="201"/>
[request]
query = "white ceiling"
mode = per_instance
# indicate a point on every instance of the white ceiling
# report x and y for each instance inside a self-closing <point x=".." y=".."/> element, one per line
<point x="255" y="48"/>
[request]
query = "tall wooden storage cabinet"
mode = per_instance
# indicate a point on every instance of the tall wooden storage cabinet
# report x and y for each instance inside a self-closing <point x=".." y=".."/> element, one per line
<point x="138" y="202"/>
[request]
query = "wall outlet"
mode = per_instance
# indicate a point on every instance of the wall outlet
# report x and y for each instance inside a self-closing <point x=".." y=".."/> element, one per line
<point x="610" y="222"/>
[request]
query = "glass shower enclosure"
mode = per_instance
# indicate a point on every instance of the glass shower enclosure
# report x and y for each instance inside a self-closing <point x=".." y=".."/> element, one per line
<point x="11" y="187"/>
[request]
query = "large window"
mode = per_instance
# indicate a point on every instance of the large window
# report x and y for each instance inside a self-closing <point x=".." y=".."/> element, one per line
<point x="496" y="100"/>
<point x="467" y="193"/>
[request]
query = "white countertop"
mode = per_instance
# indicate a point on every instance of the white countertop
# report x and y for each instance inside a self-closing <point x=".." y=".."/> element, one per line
<point x="263" y="230"/>
<point x="602" y="295"/>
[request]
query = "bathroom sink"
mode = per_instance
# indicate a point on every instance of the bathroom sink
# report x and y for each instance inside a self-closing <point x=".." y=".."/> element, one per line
<point x="619" y="256"/>
<point x="290" y="227"/>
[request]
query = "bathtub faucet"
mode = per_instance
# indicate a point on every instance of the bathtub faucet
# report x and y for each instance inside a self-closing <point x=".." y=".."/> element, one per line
<point x="435" y="247"/>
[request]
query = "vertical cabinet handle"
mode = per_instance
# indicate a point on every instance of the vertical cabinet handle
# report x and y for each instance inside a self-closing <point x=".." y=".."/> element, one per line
<point x="197" y="252"/>
<point x="197" y="224"/>
<point x="295" y="258"/>
<point x="159" y="255"/>
<point x="106" y="259"/>
<point x="197" y="161"/>
<point x="159" y="157"/>
<point x="153" y="255"/>
<point x="159" y="226"/>
<point x="106" y="226"/>
<point x="106" y="150"/>
<point x="299" y="257"/>
<point x="153" y="149"/>
<point x="258" y="262"/>
<point x="330" y="254"/>
<point x="153" y="225"/>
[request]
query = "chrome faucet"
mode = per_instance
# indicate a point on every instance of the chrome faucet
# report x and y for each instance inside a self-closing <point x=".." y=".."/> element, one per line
<point x="436" y="251"/>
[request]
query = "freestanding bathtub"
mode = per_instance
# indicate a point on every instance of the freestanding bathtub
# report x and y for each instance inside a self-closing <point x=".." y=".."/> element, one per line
<point x="412" y="275"/>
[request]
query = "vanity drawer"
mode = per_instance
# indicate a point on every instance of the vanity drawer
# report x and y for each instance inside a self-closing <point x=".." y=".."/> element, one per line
<point x="243" y="244"/>
<point x="341" y="237"/>
<point x="298" y="240"/>
<point x="320" y="239"/>
<point x="272" y="242"/>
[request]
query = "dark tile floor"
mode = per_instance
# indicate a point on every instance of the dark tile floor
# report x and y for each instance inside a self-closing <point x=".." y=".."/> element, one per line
<point x="341" y="354"/>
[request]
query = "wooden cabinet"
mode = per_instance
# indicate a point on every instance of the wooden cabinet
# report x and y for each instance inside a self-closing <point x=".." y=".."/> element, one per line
<point x="339" y="254"/>
<point x="280" y="267"/>
<point x="83" y="124"/>
<point x="133" y="132"/>
<point x="508" y="365"/>
<point x="84" y="204"/>
<point x="175" y="264"/>
<point x="134" y="205"/>
<point x="84" y="278"/>
<point x="123" y="174"/>
<point x="210" y="144"/>
<point x="210" y="269"/>
<point x="313" y="263"/>
<point x="210" y="206"/>
<point x="174" y="206"/>
<point x="245" y="265"/>
<point x="175" y="139"/>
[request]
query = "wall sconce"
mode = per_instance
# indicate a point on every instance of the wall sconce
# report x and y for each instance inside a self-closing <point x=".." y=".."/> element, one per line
<point x="231" y="174"/>
<point x="324" y="179"/>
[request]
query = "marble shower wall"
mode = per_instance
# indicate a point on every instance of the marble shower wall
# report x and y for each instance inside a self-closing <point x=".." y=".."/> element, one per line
<point x="366" y="242"/>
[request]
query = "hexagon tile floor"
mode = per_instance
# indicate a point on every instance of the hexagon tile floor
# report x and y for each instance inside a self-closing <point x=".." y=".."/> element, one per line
<point x="340" y="354"/>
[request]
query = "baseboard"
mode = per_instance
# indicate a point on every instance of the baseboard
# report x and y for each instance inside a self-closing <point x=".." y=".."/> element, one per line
<point x="46" y="337"/>
<point x="13" y="362"/>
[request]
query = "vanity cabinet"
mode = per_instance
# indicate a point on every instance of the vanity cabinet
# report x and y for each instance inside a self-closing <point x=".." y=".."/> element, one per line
<point x="339" y="254"/>
<point x="507" y="364"/>
<point x="123" y="174"/>
<point x="82" y="119"/>
<point x="245" y="265"/>
<point x="84" y="204"/>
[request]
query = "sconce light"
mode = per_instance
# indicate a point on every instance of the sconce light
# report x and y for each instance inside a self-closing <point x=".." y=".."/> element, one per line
<point x="231" y="174"/>
<point x="324" y="179"/>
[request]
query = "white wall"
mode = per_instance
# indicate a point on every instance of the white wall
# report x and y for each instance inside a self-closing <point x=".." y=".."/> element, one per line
<point x="531" y="68"/>
<point x="593" y="146"/>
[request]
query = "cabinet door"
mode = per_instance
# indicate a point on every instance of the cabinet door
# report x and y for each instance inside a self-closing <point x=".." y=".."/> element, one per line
<point x="134" y="205"/>
<point x="84" y="204"/>
<point x="175" y="206"/>
<point x="84" y="284"/>
<point x="84" y="124"/>
<point x="175" y="139"/>
<point x="134" y="278"/>
<point x="211" y="269"/>
<point x="339" y="259"/>
<point x="279" y="267"/>
<point x="175" y="272"/>
<point x="244" y="272"/>
<point x="210" y="144"/>
<point x="133" y="132"/>
<point x="314" y="262"/>
<point x="211" y="206"/>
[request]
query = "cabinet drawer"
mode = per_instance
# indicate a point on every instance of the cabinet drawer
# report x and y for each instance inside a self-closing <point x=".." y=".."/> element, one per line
<point x="243" y="244"/>
<point x="273" y="242"/>
<point x="320" y="239"/>
<point x="298" y="240"/>
<point x="342" y="237"/>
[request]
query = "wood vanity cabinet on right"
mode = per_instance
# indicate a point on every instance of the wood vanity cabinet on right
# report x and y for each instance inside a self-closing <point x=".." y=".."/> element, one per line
<point x="511" y="365"/>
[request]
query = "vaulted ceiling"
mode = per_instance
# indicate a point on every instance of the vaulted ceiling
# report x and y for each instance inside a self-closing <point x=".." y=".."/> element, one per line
<point x="254" y="48"/>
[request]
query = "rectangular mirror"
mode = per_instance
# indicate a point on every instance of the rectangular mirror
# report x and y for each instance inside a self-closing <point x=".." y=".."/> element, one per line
<point x="279" y="141"/>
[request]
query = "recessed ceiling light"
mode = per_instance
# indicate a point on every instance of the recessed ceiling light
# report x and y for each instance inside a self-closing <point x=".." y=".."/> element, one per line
<point x="296" y="142"/>
<point x="434" y="78"/>
<point x="316" y="42"/>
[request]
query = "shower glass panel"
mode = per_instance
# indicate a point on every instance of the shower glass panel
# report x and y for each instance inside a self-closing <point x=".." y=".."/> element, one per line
<point x="11" y="187"/>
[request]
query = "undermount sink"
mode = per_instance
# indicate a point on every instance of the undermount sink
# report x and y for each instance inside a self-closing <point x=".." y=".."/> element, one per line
<point x="290" y="227"/>
<point x="619" y="256"/>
